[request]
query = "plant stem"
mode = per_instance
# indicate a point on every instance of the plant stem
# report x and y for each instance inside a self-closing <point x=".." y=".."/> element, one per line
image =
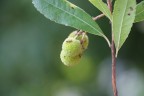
<point x="115" y="92"/>
<point x="113" y="68"/>
<point x="98" y="17"/>
<point x="109" y="5"/>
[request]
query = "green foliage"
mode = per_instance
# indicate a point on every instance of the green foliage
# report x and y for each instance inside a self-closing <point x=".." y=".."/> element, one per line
<point x="68" y="14"/>
<point x="123" y="18"/>
<point x="30" y="64"/>
<point x="140" y="12"/>
<point x="102" y="7"/>
<point x="64" y="12"/>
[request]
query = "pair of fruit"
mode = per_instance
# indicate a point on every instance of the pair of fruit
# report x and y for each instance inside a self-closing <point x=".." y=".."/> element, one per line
<point x="73" y="48"/>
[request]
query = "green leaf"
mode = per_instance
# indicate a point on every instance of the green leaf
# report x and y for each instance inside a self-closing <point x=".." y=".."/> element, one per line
<point x="140" y="12"/>
<point x="66" y="13"/>
<point x="102" y="7"/>
<point x="123" y="18"/>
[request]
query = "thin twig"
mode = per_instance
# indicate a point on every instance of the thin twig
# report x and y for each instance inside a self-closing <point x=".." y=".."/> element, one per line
<point x="115" y="92"/>
<point x="109" y="5"/>
<point x="98" y="17"/>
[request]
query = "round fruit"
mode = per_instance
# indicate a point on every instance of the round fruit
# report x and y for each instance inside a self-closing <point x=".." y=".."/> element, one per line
<point x="69" y="60"/>
<point x="73" y="34"/>
<point x="82" y="37"/>
<point x="85" y="41"/>
<point x="72" y="46"/>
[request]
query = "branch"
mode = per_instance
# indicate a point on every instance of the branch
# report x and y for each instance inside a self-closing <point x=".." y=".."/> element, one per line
<point x="109" y="5"/>
<point x="113" y="68"/>
<point x="98" y="17"/>
<point x="115" y="92"/>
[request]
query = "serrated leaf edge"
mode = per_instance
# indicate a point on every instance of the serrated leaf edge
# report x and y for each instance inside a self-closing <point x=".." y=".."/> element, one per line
<point x="74" y="16"/>
<point x="101" y="33"/>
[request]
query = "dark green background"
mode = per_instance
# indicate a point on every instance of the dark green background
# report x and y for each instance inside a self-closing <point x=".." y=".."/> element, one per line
<point x="30" y="65"/>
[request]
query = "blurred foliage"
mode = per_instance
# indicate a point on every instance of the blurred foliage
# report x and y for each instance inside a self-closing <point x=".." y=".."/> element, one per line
<point x="30" y="46"/>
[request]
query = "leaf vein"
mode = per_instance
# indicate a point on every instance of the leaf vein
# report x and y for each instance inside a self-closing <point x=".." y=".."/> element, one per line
<point x="75" y="17"/>
<point x="122" y="24"/>
<point x="139" y="13"/>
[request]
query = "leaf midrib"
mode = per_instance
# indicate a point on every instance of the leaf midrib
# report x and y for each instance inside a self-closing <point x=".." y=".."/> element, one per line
<point x="75" y="17"/>
<point x="121" y="25"/>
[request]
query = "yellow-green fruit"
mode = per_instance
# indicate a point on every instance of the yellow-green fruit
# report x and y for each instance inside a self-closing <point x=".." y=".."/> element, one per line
<point x="72" y="46"/>
<point x="85" y="42"/>
<point x="69" y="60"/>
<point x="73" y="34"/>
<point x="82" y="37"/>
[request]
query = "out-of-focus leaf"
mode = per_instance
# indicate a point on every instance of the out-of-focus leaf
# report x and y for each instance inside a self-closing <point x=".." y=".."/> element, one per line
<point x="102" y="7"/>
<point x="140" y="12"/>
<point x="123" y="18"/>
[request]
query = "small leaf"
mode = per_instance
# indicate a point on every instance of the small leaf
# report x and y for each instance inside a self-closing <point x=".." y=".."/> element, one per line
<point x="140" y="12"/>
<point x="123" y="18"/>
<point x="102" y="7"/>
<point x="66" y="13"/>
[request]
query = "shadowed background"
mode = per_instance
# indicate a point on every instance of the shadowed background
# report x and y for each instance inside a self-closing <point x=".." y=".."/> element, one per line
<point x="30" y="46"/>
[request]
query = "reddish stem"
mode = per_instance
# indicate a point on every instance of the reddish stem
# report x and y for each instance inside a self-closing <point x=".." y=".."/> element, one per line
<point x="98" y="17"/>
<point x="115" y="92"/>
<point x="113" y="69"/>
<point x="109" y="5"/>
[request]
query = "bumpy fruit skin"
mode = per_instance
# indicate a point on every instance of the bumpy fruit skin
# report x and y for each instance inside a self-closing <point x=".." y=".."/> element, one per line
<point x="82" y="37"/>
<point x="69" y="60"/>
<point x="85" y="42"/>
<point x="72" y="46"/>
<point x="73" y="34"/>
